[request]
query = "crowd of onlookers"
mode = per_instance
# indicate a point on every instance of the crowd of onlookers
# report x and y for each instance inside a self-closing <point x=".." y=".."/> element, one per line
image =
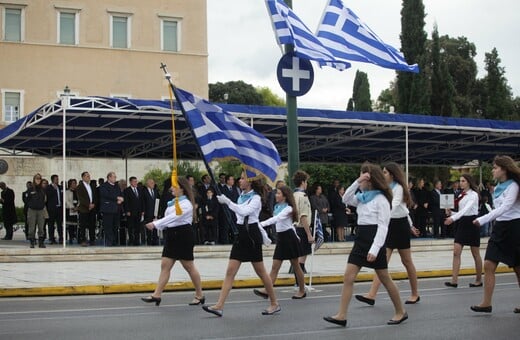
<point x="113" y="212"/>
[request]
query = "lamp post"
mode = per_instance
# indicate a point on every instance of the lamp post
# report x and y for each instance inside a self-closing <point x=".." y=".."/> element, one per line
<point x="65" y="101"/>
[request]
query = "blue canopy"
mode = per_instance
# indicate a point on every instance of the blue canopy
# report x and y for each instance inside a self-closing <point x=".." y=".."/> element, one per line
<point x="135" y="128"/>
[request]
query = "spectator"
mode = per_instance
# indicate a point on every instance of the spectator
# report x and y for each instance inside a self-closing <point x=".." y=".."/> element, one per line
<point x="339" y="214"/>
<point x="484" y="209"/>
<point x="123" y="220"/>
<point x="303" y="206"/>
<point x="36" y="211"/>
<point x="320" y="203"/>
<point x="151" y="194"/>
<point x="110" y="199"/>
<point x="54" y="194"/>
<point x="228" y="216"/>
<point x="439" y="229"/>
<point x="71" y="203"/>
<point x="210" y="211"/>
<point x="421" y="213"/>
<point x="8" y="210"/>
<point x="25" y="198"/>
<point x="86" y="193"/>
<point x="134" y="208"/>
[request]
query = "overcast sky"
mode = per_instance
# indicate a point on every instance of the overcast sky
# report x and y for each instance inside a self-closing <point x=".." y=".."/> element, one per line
<point x="242" y="45"/>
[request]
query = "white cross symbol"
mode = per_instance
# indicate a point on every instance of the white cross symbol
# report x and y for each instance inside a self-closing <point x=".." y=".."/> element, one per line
<point x="296" y="74"/>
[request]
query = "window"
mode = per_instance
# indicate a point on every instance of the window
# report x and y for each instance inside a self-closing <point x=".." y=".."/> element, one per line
<point x="12" y="107"/>
<point x="13" y="24"/>
<point x="68" y="28"/>
<point x="170" y="35"/>
<point x="120" y="31"/>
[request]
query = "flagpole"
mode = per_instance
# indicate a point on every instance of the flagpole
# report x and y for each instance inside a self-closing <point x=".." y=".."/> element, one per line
<point x="230" y="220"/>
<point x="312" y="251"/>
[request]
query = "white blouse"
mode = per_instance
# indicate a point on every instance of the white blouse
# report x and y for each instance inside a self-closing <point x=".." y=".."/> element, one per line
<point x="399" y="208"/>
<point x="249" y="208"/>
<point x="507" y="206"/>
<point x="283" y="220"/>
<point x="468" y="206"/>
<point x="375" y="212"/>
<point x="171" y="220"/>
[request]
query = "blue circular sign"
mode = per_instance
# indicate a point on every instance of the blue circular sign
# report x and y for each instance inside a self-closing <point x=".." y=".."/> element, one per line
<point x="295" y="74"/>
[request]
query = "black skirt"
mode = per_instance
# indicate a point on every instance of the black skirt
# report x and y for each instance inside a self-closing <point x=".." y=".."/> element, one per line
<point x="179" y="243"/>
<point x="504" y="243"/>
<point x="364" y="239"/>
<point x="398" y="236"/>
<point x="287" y="246"/>
<point x="467" y="234"/>
<point x="305" y="246"/>
<point x="248" y="244"/>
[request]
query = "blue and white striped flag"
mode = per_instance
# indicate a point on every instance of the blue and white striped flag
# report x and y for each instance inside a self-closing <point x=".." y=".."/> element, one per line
<point x="348" y="38"/>
<point x="319" y="239"/>
<point x="221" y="135"/>
<point x="289" y="29"/>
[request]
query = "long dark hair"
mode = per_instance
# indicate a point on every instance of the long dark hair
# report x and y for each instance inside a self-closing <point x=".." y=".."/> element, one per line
<point x="397" y="173"/>
<point x="378" y="180"/>
<point x="289" y="197"/>
<point x="509" y="165"/>
<point x="187" y="189"/>
<point x="471" y="182"/>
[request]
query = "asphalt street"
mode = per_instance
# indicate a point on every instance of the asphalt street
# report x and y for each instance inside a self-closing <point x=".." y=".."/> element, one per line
<point x="442" y="313"/>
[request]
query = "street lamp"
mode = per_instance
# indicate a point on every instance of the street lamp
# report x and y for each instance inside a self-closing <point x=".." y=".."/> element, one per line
<point x="65" y="97"/>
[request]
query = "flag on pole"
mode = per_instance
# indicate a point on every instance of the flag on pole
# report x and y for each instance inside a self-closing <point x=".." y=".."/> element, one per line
<point x="319" y="238"/>
<point x="348" y="38"/>
<point x="289" y="29"/>
<point x="221" y="135"/>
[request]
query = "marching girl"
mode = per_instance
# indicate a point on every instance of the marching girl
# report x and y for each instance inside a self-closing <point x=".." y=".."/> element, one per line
<point x="247" y="246"/>
<point x="399" y="233"/>
<point x="178" y="242"/>
<point x="373" y="210"/>
<point x="466" y="234"/>
<point x="288" y="243"/>
<point x="504" y="243"/>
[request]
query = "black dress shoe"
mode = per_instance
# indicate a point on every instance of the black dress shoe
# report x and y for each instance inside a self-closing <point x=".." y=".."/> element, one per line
<point x="217" y="312"/>
<point x="479" y="309"/>
<point x="472" y="285"/>
<point x="396" y="322"/>
<point x="197" y="301"/>
<point x="516" y="310"/>
<point x="449" y="284"/>
<point x="335" y="321"/>
<point x="366" y="300"/>
<point x="260" y="293"/>
<point x="296" y="297"/>
<point x="410" y="302"/>
<point x="276" y="310"/>
<point x="150" y="299"/>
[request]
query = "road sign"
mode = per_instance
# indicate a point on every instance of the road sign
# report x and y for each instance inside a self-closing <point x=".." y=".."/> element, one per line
<point x="295" y="74"/>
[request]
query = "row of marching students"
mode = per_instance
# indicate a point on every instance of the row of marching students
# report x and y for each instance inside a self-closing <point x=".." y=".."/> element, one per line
<point x="383" y="225"/>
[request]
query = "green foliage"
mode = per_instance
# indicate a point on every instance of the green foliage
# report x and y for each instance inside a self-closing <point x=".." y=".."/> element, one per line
<point x="429" y="173"/>
<point x="350" y="105"/>
<point x="487" y="175"/>
<point x="237" y="92"/>
<point x="190" y="168"/>
<point x="231" y="167"/>
<point x="268" y="97"/>
<point x="361" y="93"/>
<point x="183" y="168"/>
<point x="325" y="174"/>
<point x="387" y="99"/>
<point x="499" y="104"/>
<point x="20" y="218"/>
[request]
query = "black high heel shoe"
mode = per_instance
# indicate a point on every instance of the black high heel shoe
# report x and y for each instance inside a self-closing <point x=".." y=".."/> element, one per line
<point x="198" y="301"/>
<point x="150" y="299"/>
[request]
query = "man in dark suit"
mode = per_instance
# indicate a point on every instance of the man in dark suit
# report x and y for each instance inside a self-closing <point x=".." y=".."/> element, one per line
<point x="109" y="201"/>
<point x="150" y="195"/>
<point x="439" y="229"/>
<point x="54" y="194"/>
<point x="228" y="216"/>
<point x="134" y="208"/>
<point x="8" y="210"/>
<point x="86" y="209"/>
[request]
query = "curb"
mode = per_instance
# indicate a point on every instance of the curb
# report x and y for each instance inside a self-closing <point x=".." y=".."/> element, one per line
<point x="127" y="288"/>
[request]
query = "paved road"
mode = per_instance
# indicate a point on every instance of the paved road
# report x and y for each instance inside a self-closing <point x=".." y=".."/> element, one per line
<point x="443" y="313"/>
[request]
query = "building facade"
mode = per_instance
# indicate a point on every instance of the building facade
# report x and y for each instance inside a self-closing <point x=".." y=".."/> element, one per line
<point x="109" y="48"/>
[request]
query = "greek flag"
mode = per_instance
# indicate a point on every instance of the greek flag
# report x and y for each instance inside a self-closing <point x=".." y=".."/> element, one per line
<point x="221" y="135"/>
<point x="318" y="231"/>
<point x="348" y="38"/>
<point x="289" y="29"/>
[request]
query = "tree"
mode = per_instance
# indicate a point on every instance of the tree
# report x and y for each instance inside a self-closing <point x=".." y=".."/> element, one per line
<point x="499" y="102"/>
<point x="269" y="98"/>
<point x="231" y="167"/>
<point x="350" y="105"/>
<point x="361" y="92"/>
<point x="413" y="88"/>
<point x="387" y="100"/>
<point x="325" y="174"/>
<point x="234" y="92"/>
